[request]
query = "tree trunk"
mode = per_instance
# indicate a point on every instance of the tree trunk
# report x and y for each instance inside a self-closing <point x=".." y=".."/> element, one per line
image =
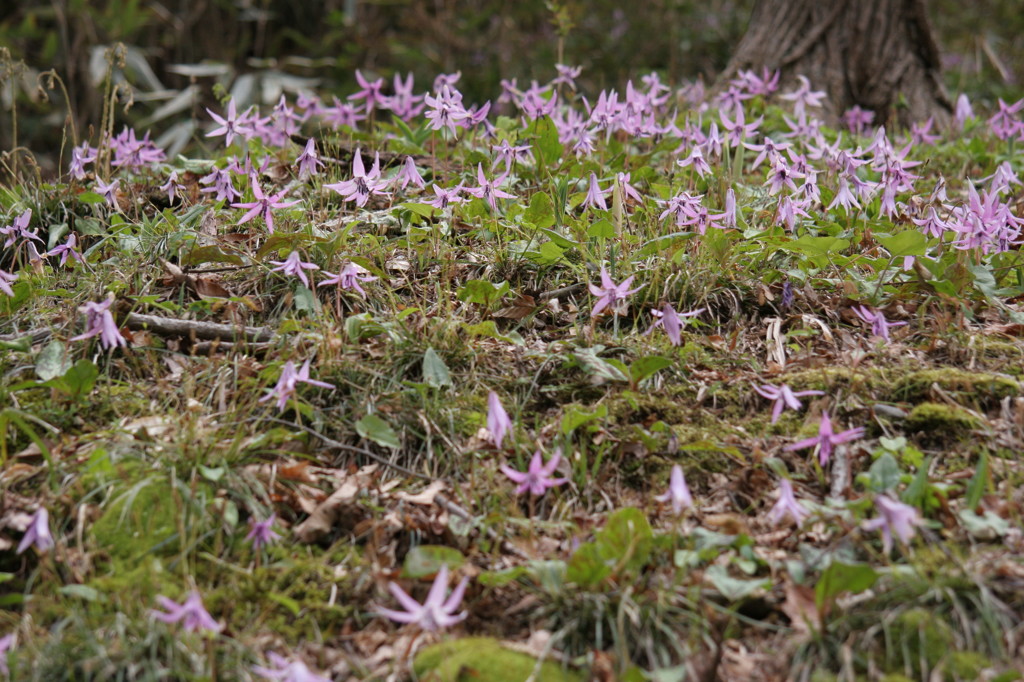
<point x="878" y="54"/>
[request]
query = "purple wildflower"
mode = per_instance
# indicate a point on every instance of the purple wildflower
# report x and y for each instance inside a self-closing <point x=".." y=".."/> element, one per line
<point x="109" y="191"/>
<point x="787" y="505"/>
<point x="894" y="517"/>
<point x="498" y="423"/>
<point x="879" y="325"/>
<point x="264" y="205"/>
<point x="99" y="321"/>
<point x="220" y="182"/>
<point x="68" y="248"/>
<point x="261" y="533"/>
<point x="294" y="265"/>
<point x="362" y="185"/>
<point x="308" y="161"/>
<point x="784" y="397"/>
<point x="537" y="478"/>
<point x="19" y="230"/>
<point x="172" y="186"/>
<point x="231" y="125"/>
<point x="81" y="155"/>
<point x="409" y="175"/>
<point x="37" y="533"/>
<point x="436" y="612"/>
<point x="678" y="492"/>
<point x="488" y="189"/>
<point x="595" y="196"/>
<point x="371" y="93"/>
<point x="610" y="294"/>
<point x="287" y="671"/>
<point x="189" y="613"/>
<point x="668" y="319"/>
<point x="289" y="380"/>
<point x="349" y="278"/>
<point x="446" y="110"/>
<point x="444" y="197"/>
<point x="6" y="279"/>
<point x="827" y="439"/>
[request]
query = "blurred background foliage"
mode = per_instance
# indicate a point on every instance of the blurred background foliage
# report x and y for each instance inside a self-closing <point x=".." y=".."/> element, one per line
<point x="177" y="50"/>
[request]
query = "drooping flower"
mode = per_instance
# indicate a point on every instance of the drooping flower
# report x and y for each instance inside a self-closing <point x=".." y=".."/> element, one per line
<point x="595" y="195"/>
<point x="68" y="248"/>
<point x="349" y="278"/>
<point x="172" y="186"/>
<point x="81" y="155"/>
<point x="6" y="644"/>
<point x="99" y="321"/>
<point x="498" y="423"/>
<point x="678" y="492"/>
<point x="294" y="265"/>
<point x="787" y="505"/>
<point x="19" y="230"/>
<point x="488" y="189"/>
<point x="444" y="197"/>
<point x="436" y="613"/>
<point x="409" y="175"/>
<point x="264" y="204"/>
<point x="6" y="278"/>
<point x="261" y="532"/>
<point x="362" y="185"/>
<point x="308" y="161"/>
<point x="827" y="439"/>
<point x="289" y="381"/>
<point x="672" y="322"/>
<point x="537" y="478"/>
<point x="879" y="325"/>
<point x="372" y="92"/>
<point x="190" y="613"/>
<point x="109" y="191"/>
<point x="287" y="671"/>
<point x="784" y="397"/>
<point x="893" y="517"/>
<point x="219" y="181"/>
<point x="610" y="294"/>
<point x="37" y="533"/>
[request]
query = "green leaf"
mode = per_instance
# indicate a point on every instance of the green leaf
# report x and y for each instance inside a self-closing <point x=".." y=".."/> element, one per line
<point x="490" y="329"/>
<point x="379" y="431"/>
<point x="559" y="239"/>
<point x="816" y="246"/>
<point x="646" y="366"/>
<point x="499" y="578"/>
<point x="425" y="210"/>
<point x="83" y="592"/>
<point x="541" y="211"/>
<point x="210" y="254"/>
<point x="426" y="560"/>
<point x="77" y="381"/>
<point x="285" y="601"/>
<point x="547" y="146"/>
<point x="884" y="474"/>
<point x="587" y="567"/>
<point x="839" y="578"/>
<point x="91" y="198"/>
<point x="602" y="229"/>
<point x="599" y="366"/>
<point x="305" y="300"/>
<point x="916" y="493"/>
<point x="548" y="253"/>
<point x="482" y="292"/>
<point x="576" y="417"/>
<point x="734" y="589"/>
<point x="53" y="361"/>
<point x="626" y="539"/>
<point x="978" y="484"/>
<point x="435" y="372"/>
<point x="907" y="243"/>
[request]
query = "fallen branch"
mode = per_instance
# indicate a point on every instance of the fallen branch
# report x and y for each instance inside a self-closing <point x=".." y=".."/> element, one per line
<point x="171" y="326"/>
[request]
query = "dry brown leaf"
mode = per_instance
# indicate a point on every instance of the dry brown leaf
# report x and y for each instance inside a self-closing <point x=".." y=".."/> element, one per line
<point x="801" y="609"/>
<point x="323" y="518"/>
<point x="426" y="496"/>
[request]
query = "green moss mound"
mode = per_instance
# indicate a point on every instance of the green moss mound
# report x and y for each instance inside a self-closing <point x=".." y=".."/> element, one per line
<point x="481" y="658"/>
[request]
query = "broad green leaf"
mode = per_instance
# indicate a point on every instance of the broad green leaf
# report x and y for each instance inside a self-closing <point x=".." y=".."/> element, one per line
<point x="91" y="198"/>
<point x="490" y="329"/>
<point x="53" y="361"/>
<point x="379" y="431"/>
<point x="602" y="229"/>
<point x="734" y="589"/>
<point x="626" y="539"/>
<point x="541" y="211"/>
<point x="817" y="246"/>
<point x="906" y="243"/>
<point x="575" y="417"/>
<point x="559" y="239"/>
<point x="435" y="372"/>
<point x="482" y="292"/>
<point x="425" y="210"/>
<point x="839" y="578"/>
<point x="425" y="560"/>
<point x="600" y="367"/>
<point x="78" y="380"/>
<point x="978" y="484"/>
<point x="84" y="592"/>
<point x="916" y="493"/>
<point x="587" y="567"/>
<point x="292" y="605"/>
<point x="547" y="146"/>
<point x="646" y="366"/>
<point x="884" y="474"/>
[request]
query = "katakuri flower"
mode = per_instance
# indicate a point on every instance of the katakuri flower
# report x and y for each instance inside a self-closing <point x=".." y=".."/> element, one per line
<point x="610" y="294"/>
<point x="784" y="397"/>
<point x="172" y="187"/>
<point x="294" y="265"/>
<point x="38" y="532"/>
<point x="6" y="278"/>
<point x="349" y="278"/>
<point x="99" y="321"/>
<point x="595" y="195"/>
<point x="308" y="161"/>
<point x="362" y="185"/>
<point x="537" y="478"/>
<point x="787" y="505"/>
<point x="68" y="248"/>
<point x="436" y="613"/>
<point x="409" y="175"/>
<point x="263" y="205"/>
<point x="678" y="492"/>
<point x="261" y="532"/>
<point x="189" y="613"/>
<point x="672" y="322"/>
<point x="6" y="644"/>
<point x="498" y="423"/>
<point x="287" y="671"/>
<point x="827" y="439"/>
<point x="289" y="381"/>
<point x="894" y="517"/>
<point x="231" y="125"/>
<point x="879" y="325"/>
<point x="488" y="189"/>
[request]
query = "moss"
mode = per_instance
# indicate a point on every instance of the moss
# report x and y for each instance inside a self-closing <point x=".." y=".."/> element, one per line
<point x="482" y="658"/>
<point x="939" y="422"/>
<point x="985" y="388"/>
<point x="922" y="637"/>
<point x="965" y="665"/>
<point x="142" y="519"/>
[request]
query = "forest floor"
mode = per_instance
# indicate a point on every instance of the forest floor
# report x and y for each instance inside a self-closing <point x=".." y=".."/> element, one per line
<point x="158" y="443"/>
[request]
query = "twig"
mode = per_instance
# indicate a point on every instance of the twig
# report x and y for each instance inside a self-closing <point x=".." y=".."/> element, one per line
<point x="171" y="326"/>
<point x="564" y="291"/>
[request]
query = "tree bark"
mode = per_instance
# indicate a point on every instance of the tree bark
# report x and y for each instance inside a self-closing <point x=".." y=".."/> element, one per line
<point x="880" y="55"/>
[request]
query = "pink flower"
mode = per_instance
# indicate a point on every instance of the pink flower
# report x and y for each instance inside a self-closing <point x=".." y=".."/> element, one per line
<point x="261" y="532"/>
<point x="537" y="478"/>
<point x="349" y="278"/>
<point x="37" y="533"/>
<point x="309" y="161"/>
<point x="293" y="265"/>
<point x="189" y="613"/>
<point x="894" y="517"/>
<point x="99" y="321"/>
<point x="826" y="439"/>
<point x="362" y="185"/>
<point x="409" y="175"/>
<point x="671" y="321"/>
<point x="436" y="612"/>
<point x="263" y="205"/>
<point x="6" y="279"/>
<point x="289" y="381"/>
<point x="230" y="126"/>
<point x="784" y="397"/>
<point x="879" y="325"/>
<point x="678" y="492"/>
<point x="787" y="505"/>
<point x="595" y="196"/>
<point x="610" y="294"/>
<point x="488" y="189"/>
<point x="294" y="671"/>
<point x="6" y="644"/>
<point x="498" y="422"/>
